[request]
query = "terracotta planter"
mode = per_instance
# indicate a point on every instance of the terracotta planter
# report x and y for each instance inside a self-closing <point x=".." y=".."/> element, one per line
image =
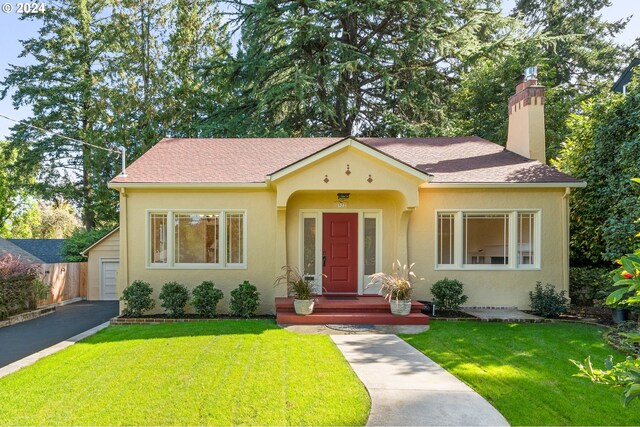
<point x="303" y="306"/>
<point x="400" y="307"/>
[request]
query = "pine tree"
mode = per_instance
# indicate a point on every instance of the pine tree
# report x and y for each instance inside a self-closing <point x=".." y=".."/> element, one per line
<point x="63" y="89"/>
<point x="357" y="67"/>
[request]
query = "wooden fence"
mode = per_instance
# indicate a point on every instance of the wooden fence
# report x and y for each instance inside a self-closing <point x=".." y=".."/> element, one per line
<point x="67" y="280"/>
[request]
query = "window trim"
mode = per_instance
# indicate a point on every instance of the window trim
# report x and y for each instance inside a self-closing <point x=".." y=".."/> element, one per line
<point x="171" y="264"/>
<point x="458" y="252"/>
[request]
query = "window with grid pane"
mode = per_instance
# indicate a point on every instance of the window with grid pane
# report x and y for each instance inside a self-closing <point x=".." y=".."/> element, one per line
<point x="526" y="239"/>
<point x="446" y="238"/>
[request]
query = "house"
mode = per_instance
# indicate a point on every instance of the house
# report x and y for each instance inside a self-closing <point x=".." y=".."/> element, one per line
<point x="7" y="247"/>
<point x="625" y="78"/>
<point x="341" y="209"/>
<point x="49" y="251"/>
<point x="102" y="264"/>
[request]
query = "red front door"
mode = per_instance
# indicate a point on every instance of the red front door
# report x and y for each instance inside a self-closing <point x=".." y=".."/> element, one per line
<point x="340" y="252"/>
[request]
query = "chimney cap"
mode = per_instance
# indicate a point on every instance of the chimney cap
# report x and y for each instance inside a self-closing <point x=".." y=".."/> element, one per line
<point x="531" y="73"/>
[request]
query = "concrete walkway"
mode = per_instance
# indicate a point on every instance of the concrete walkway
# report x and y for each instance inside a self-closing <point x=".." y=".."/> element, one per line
<point x="509" y="314"/>
<point x="408" y="388"/>
<point x="23" y="339"/>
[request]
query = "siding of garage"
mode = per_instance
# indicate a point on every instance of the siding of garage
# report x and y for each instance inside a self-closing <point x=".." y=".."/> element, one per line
<point x="107" y="249"/>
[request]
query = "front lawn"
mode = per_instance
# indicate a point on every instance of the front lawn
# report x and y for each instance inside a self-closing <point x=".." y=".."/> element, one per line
<point x="524" y="370"/>
<point x="206" y="373"/>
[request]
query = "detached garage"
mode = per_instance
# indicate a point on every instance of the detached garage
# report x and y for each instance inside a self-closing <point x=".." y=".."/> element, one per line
<point x="103" y="263"/>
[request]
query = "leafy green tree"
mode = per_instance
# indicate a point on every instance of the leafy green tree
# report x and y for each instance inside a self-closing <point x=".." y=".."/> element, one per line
<point x="81" y="240"/>
<point x="602" y="150"/>
<point x="376" y="67"/>
<point x="12" y="185"/>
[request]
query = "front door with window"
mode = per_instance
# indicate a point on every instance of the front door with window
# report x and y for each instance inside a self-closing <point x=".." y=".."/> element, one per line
<point x="340" y="252"/>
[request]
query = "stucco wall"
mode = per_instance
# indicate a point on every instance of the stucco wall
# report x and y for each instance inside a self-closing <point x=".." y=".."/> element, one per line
<point x="261" y="235"/>
<point x="109" y="248"/>
<point x="492" y="287"/>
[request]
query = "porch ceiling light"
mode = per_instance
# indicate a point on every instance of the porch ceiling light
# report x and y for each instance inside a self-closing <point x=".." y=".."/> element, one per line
<point x="343" y="196"/>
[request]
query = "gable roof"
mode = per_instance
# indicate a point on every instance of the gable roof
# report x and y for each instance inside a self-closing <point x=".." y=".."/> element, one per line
<point x="358" y="145"/>
<point x="48" y="250"/>
<point x="626" y="76"/>
<point x="103" y="238"/>
<point x="248" y="161"/>
<point x="6" y="247"/>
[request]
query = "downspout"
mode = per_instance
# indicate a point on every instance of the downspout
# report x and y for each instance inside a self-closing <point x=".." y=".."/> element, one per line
<point x="124" y="241"/>
<point x="565" y="240"/>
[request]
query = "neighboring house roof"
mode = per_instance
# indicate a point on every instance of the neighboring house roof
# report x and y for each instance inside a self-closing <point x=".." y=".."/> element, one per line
<point x="6" y="247"/>
<point x="106" y="236"/>
<point x="625" y="77"/>
<point x="48" y="250"/>
<point x="457" y="160"/>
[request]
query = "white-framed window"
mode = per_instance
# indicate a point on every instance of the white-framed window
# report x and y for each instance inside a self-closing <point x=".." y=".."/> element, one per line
<point x="196" y="239"/>
<point x="492" y="239"/>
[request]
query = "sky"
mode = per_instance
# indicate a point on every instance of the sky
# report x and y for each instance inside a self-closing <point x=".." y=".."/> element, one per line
<point x="13" y="30"/>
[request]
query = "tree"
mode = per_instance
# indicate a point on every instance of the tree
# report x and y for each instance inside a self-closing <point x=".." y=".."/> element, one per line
<point x="377" y="67"/>
<point x="577" y="57"/>
<point x="12" y="184"/>
<point x="197" y="48"/>
<point x="602" y="150"/>
<point x="63" y="88"/>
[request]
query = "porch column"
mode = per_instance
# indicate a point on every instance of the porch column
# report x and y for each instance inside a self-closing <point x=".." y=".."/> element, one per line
<point x="402" y="249"/>
<point x="281" y="244"/>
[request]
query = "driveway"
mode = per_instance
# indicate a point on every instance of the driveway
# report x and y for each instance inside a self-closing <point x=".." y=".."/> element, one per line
<point x="29" y="337"/>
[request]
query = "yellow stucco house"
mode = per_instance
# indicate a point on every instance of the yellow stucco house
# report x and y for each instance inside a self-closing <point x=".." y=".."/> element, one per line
<point x="341" y="209"/>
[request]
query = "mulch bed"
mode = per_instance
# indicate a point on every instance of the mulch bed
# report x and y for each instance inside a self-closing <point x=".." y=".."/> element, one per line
<point x="189" y="317"/>
<point x="600" y="315"/>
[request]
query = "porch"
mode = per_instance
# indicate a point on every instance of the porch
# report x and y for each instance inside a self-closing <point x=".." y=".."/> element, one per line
<point x="348" y="309"/>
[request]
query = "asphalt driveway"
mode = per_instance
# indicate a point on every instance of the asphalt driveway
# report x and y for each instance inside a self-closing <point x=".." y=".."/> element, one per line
<point x="23" y="339"/>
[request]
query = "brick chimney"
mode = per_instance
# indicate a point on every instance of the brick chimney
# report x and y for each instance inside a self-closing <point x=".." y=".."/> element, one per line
<point x="526" y="118"/>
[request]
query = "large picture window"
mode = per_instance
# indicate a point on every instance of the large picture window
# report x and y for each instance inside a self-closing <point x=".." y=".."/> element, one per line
<point x="487" y="240"/>
<point x="213" y="239"/>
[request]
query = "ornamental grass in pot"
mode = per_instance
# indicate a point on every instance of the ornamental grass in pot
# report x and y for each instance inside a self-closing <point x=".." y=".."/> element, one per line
<point x="297" y="287"/>
<point x="396" y="287"/>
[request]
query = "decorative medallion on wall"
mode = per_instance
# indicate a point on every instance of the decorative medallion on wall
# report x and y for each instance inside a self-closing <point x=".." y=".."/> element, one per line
<point x="326" y="179"/>
<point x="369" y="180"/>
<point x="348" y="172"/>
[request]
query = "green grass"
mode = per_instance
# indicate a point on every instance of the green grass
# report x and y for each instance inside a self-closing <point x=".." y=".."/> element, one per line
<point x="525" y="372"/>
<point x="207" y="373"/>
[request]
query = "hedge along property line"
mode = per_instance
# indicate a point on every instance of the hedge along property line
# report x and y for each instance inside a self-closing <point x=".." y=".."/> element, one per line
<point x="23" y="317"/>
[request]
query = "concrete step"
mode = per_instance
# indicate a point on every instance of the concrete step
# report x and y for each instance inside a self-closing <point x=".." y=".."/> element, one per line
<point x="348" y="318"/>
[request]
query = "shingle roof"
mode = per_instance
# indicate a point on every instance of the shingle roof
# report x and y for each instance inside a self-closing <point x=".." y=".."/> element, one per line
<point x="6" y="247"/>
<point x="48" y="250"/>
<point x="250" y="160"/>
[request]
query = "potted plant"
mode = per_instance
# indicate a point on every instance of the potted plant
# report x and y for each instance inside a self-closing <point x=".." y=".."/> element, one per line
<point x="396" y="287"/>
<point x="297" y="287"/>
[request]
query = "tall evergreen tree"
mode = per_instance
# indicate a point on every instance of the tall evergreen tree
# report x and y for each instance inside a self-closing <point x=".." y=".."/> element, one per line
<point x="358" y="67"/>
<point x="577" y="57"/>
<point x="62" y="87"/>
<point x="197" y="48"/>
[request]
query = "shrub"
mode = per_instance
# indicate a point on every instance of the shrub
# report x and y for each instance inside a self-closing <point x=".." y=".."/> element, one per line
<point x="174" y="297"/>
<point x="20" y="286"/>
<point x="206" y="298"/>
<point x="587" y="283"/>
<point x="547" y="302"/>
<point x="396" y="285"/>
<point x="244" y="300"/>
<point x="137" y="297"/>
<point x="448" y="294"/>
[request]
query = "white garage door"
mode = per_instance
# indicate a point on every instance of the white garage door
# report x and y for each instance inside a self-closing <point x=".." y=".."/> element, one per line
<point x="108" y="278"/>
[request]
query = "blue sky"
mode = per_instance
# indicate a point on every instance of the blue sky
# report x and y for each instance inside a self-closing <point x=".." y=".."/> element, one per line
<point x="13" y="30"/>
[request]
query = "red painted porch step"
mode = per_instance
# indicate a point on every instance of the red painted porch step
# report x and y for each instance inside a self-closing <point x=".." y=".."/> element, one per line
<point x="360" y="310"/>
<point x="352" y="319"/>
